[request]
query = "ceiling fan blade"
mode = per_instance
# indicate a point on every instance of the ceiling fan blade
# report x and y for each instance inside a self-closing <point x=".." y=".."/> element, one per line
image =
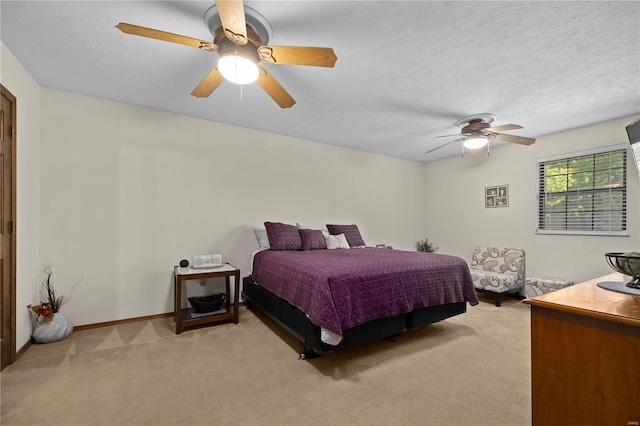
<point x="503" y="128"/>
<point x="232" y="17"/>
<point x="515" y="139"/>
<point x="298" y="55"/>
<point x="274" y="89"/>
<point x="442" y="146"/>
<point x="165" y="36"/>
<point x="208" y="84"/>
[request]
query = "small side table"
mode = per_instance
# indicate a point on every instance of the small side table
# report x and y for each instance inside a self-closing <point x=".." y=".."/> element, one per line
<point x="183" y="317"/>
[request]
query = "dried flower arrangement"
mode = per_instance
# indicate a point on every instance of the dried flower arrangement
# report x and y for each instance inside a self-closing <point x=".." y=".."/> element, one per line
<point x="53" y="302"/>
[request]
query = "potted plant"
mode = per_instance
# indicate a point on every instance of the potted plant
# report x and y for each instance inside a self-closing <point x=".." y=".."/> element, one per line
<point x="49" y="323"/>
<point x="426" y="246"/>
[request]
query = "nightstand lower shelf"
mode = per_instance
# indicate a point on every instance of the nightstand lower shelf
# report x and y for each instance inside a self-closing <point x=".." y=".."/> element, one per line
<point x="183" y="317"/>
<point x="188" y="320"/>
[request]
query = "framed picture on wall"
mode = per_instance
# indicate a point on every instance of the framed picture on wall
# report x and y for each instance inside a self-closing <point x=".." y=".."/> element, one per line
<point x="502" y="201"/>
<point x="496" y="196"/>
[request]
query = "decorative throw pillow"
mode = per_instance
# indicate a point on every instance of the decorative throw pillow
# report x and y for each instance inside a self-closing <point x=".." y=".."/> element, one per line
<point x="336" y="242"/>
<point x="302" y="226"/>
<point x="283" y="236"/>
<point x="312" y="239"/>
<point x="351" y="232"/>
<point x="262" y="237"/>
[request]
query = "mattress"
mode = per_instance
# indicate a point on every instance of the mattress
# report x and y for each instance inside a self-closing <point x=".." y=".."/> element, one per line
<point x="341" y="289"/>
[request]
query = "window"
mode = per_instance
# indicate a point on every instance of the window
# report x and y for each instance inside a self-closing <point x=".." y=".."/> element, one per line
<point x="584" y="193"/>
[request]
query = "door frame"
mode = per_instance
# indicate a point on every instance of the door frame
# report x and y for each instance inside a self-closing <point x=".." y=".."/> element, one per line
<point x="12" y="280"/>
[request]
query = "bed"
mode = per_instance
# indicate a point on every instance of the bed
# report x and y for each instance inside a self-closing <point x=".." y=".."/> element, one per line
<point x="334" y="299"/>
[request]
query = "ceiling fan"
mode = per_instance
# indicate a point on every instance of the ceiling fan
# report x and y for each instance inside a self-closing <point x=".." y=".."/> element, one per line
<point x="477" y="132"/>
<point x="241" y="37"/>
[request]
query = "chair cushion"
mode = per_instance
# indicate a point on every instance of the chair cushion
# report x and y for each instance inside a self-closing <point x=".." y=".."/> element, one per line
<point x="536" y="286"/>
<point x="494" y="281"/>
<point x="498" y="259"/>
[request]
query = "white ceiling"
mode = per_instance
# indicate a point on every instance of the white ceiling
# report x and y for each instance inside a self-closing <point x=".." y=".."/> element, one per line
<point x="406" y="70"/>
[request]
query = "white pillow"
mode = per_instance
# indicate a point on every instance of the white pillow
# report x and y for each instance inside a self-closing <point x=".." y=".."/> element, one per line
<point x="262" y="237"/>
<point x="325" y="232"/>
<point x="336" y="242"/>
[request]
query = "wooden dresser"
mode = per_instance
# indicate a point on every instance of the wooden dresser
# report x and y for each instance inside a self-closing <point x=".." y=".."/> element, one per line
<point x="585" y="356"/>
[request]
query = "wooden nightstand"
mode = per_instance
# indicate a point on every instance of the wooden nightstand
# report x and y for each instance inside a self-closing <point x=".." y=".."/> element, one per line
<point x="183" y="317"/>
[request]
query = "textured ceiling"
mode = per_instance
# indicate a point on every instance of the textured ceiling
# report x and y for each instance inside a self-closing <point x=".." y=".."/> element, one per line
<point x="406" y="71"/>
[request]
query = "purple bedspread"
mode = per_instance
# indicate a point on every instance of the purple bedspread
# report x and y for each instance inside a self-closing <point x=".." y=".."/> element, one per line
<point x="340" y="289"/>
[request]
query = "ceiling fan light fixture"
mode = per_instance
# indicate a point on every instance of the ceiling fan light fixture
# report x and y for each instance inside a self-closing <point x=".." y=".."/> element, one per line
<point x="475" y="142"/>
<point x="238" y="69"/>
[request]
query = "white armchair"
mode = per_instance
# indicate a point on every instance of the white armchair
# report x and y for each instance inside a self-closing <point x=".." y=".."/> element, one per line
<point x="498" y="271"/>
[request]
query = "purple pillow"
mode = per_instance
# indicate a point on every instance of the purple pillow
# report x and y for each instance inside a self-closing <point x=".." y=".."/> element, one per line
<point x="283" y="236"/>
<point x="312" y="239"/>
<point x="351" y="232"/>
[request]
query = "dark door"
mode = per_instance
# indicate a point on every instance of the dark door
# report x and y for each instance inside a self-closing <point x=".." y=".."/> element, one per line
<point x="7" y="228"/>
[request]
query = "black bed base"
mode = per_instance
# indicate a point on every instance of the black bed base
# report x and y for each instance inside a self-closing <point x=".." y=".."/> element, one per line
<point x="298" y="324"/>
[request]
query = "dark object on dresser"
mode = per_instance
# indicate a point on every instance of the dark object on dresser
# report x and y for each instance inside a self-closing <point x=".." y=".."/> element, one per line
<point x="627" y="264"/>
<point x="184" y="263"/>
<point x="210" y="303"/>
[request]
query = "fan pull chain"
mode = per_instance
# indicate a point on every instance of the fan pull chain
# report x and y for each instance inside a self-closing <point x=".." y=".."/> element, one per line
<point x="488" y="146"/>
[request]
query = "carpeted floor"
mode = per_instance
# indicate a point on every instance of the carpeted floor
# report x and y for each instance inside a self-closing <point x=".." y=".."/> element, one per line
<point x="473" y="369"/>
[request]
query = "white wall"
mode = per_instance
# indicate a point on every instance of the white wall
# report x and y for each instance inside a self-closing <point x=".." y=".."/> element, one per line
<point x="119" y="194"/>
<point x="128" y="191"/>
<point x="27" y="92"/>
<point x="456" y="219"/>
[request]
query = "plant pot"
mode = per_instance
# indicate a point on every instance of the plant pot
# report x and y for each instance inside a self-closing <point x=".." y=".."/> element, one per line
<point x="51" y="331"/>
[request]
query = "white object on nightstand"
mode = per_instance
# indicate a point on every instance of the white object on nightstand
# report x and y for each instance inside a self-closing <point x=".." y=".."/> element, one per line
<point x="207" y="261"/>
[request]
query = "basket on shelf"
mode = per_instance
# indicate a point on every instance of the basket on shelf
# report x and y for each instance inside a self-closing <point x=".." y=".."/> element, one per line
<point x="209" y="303"/>
<point x="627" y="264"/>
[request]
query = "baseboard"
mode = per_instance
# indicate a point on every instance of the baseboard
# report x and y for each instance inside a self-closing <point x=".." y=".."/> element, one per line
<point x="97" y="325"/>
<point x="123" y="321"/>
<point x="23" y="350"/>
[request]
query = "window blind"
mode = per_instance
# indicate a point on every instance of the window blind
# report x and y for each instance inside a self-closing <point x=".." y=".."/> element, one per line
<point x="583" y="193"/>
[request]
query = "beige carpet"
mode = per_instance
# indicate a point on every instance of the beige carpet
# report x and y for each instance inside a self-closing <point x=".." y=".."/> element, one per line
<point x="473" y="369"/>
